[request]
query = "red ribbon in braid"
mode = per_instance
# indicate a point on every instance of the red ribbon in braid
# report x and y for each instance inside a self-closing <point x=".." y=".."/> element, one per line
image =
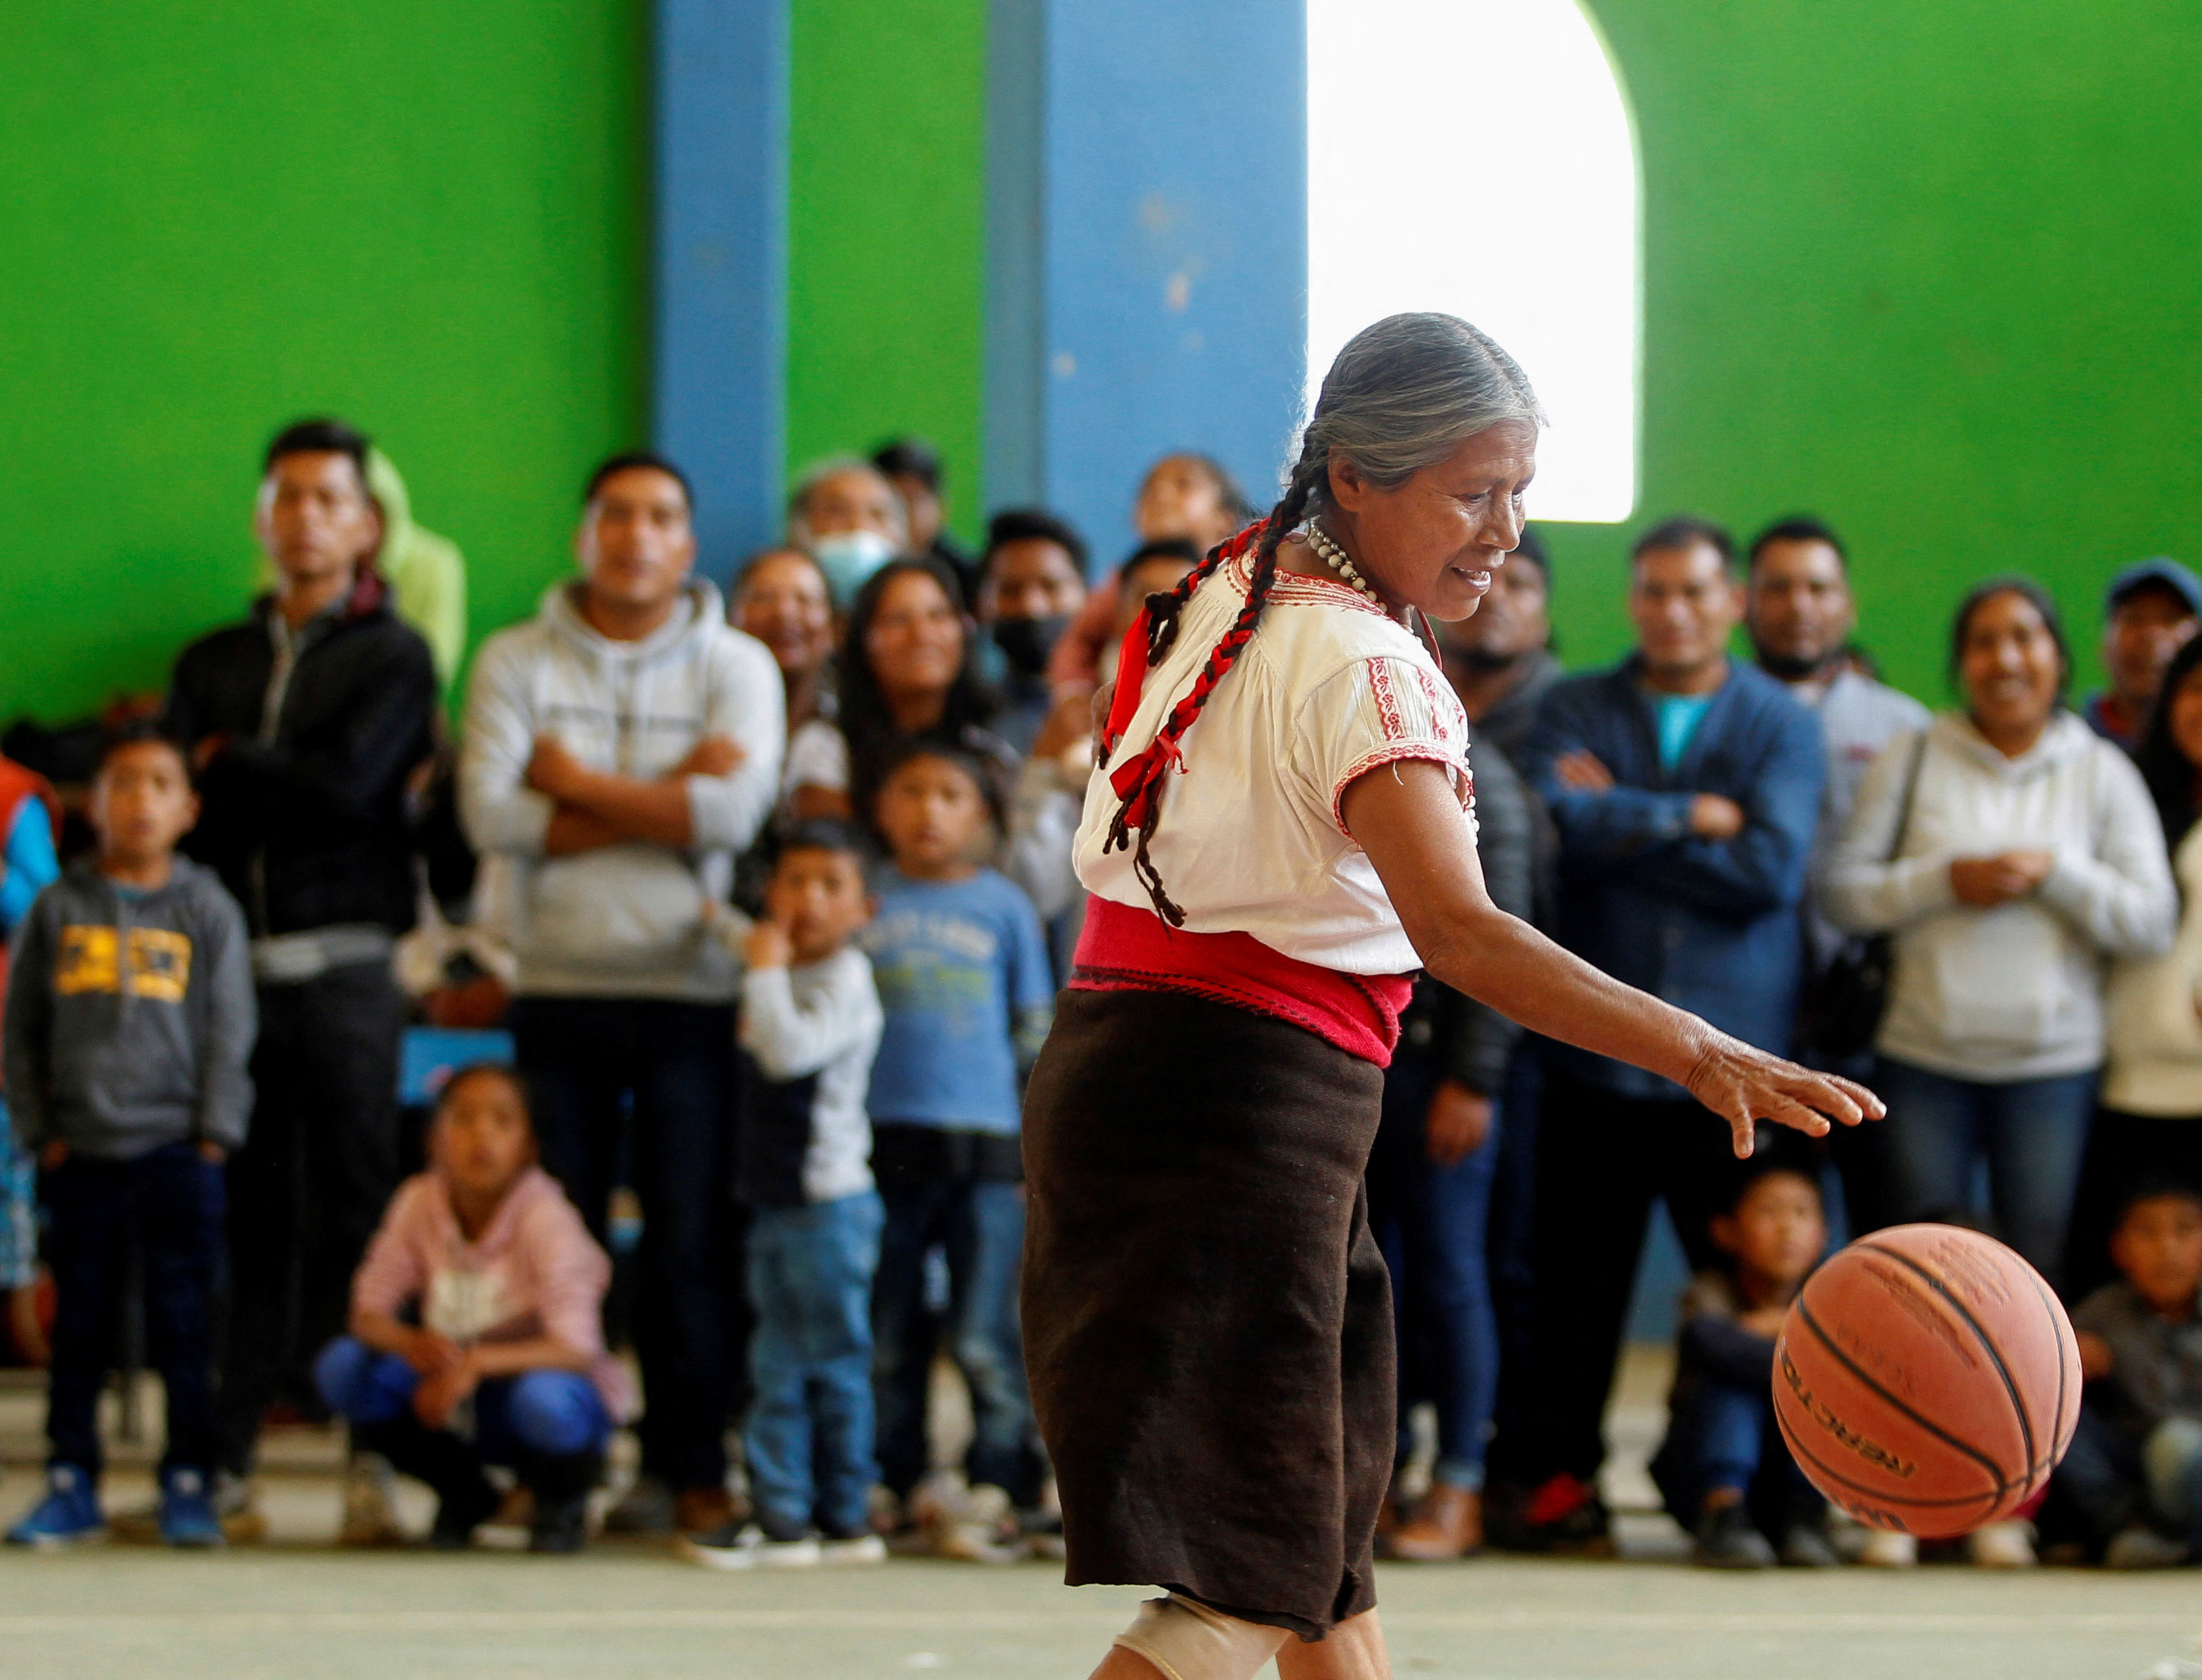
<point x="1138" y="781"/>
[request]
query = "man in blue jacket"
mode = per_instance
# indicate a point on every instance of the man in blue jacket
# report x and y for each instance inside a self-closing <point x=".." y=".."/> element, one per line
<point x="1685" y="786"/>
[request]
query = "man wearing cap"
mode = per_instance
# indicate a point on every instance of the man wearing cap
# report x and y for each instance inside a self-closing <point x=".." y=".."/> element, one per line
<point x="2150" y="610"/>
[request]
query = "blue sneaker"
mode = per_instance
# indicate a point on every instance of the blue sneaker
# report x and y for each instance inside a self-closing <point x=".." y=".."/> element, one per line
<point x="187" y="1513"/>
<point x="68" y="1515"/>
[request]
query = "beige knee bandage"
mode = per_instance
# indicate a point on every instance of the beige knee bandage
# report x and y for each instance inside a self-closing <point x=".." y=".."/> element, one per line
<point x="1187" y="1641"/>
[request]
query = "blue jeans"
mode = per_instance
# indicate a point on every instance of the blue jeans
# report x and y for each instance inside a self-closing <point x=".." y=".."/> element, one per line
<point x="1721" y="1438"/>
<point x="549" y="1414"/>
<point x="2116" y="1482"/>
<point x="1430" y="1222"/>
<point x="593" y="1064"/>
<point x="2034" y="1133"/>
<point x="809" y="1436"/>
<point x="169" y="1202"/>
<point x="979" y="1225"/>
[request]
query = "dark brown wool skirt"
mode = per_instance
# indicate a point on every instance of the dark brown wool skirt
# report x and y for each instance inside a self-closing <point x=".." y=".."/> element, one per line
<point x="1207" y="1317"/>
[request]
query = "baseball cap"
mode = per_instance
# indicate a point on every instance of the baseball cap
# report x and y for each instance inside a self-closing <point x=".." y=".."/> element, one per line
<point x="2160" y="569"/>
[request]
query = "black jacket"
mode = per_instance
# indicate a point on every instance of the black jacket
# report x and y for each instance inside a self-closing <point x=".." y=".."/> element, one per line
<point x="310" y="829"/>
<point x="1471" y="1040"/>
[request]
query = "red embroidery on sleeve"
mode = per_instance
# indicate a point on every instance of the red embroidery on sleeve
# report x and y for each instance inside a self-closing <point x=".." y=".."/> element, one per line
<point x="1387" y="700"/>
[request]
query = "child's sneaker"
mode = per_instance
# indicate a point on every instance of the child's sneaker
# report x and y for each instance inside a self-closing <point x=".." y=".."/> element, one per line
<point x="188" y="1518"/>
<point x="978" y="1527"/>
<point x="2143" y="1548"/>
<point x="861" y="1547"/>
<point x="67" y="1516"/>
<point x="2002" y="1546"/>
<point x="1885" y="1549"/>
<point x="1728" y="1539"/>
<point x="243" y="1522"/>
<point x="747" y="1545"/>
<point x="370" y="1508"/>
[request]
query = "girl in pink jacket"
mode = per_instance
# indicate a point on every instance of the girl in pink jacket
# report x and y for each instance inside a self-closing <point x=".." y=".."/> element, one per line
<point x="501" y="1360"/>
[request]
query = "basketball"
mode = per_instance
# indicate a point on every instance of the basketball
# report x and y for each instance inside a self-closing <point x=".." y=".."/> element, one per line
<point x="1927" y="1380"/>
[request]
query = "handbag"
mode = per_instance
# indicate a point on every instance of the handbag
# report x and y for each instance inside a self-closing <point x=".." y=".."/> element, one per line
<point x="1851" y="996"/>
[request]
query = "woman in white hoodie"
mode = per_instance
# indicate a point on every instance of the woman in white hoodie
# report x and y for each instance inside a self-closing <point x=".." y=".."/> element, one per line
<point x="2011" y="854"/>
<point x="2149" y="1124"/>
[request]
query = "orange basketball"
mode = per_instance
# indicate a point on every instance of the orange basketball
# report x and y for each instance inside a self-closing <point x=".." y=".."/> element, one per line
<point x="1927" y="1380"/>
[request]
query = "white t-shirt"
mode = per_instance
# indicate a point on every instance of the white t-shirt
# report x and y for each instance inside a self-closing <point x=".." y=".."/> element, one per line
<point x="817" y="757"/>
<point x="1250" y="837"/>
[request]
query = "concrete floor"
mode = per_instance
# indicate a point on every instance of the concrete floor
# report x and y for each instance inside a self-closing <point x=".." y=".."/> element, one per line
<point x="298" y="1608"/>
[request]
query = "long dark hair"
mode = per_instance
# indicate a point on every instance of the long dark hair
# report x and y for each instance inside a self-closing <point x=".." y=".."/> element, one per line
<point x="2171" y="775"/>
<point x="867" y="720"/>
<point x="1402" y="395"/>
<point x="2035" y="596"/>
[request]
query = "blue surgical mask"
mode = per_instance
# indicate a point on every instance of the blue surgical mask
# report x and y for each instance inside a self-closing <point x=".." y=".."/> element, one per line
<point x="847" y="558"/>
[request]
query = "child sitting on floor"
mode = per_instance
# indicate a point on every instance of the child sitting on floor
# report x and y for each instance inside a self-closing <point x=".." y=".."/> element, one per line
<point x="1723" y="1469"/>
<point x="802" y="1143"/>
<point x="506" y="1364"/>
<point x="2134" y="1471"/>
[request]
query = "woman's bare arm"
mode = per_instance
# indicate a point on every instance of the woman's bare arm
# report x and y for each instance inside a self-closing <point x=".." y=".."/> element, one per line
<point x="1408" y="819"/>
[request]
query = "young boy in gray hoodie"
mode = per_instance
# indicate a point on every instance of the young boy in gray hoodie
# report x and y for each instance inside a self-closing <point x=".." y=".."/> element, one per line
<point x="130" y="1019"/>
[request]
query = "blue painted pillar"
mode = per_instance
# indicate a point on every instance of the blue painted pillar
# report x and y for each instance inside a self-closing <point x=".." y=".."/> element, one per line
<point x="720" y="287"/>
<point x="1147" y="247"/>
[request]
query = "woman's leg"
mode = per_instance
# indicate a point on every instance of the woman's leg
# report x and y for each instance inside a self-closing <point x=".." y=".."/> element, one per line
<point x="2035" y="1140"/>
<point x="1354" y="1650"/>
<point x="1932" y="1129"/>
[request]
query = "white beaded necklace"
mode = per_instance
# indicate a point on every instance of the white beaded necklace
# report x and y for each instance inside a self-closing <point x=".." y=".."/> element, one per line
<point x="1340" y="561"/>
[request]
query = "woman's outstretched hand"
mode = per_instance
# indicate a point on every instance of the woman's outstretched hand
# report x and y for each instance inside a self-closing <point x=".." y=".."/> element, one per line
<point x="1744" y="1085"/>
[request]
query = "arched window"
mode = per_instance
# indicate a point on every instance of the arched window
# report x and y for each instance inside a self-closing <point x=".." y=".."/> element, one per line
<point x="1476" y="156"/>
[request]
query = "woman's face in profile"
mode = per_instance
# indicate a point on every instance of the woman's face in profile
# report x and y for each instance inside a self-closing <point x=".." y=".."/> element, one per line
<point x="916" y="640"/>
<point x="1434" y="541"/>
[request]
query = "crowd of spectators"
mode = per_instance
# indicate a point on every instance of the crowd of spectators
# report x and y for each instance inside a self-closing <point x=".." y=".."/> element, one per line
<point x="771" y="893"/>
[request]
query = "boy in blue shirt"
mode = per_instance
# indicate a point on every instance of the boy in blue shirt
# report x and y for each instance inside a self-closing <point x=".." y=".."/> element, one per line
<point x="963" y="972"/>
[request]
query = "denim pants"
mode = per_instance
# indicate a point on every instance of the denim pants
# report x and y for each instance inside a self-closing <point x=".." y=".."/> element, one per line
<point x="1429" y="1221"/>
<point x="548" y="1425"/>
<point x="589" y="1061"/>
<point x="1723" y="1437"/>
<point x="2034" y="1133"/>
<point x="169" y="1201"/>
<point x="979" y="1224"/>
<point x="810" y="1440"/>
<point x="2116" y="1481"/>
<point x="308" y="1187"/>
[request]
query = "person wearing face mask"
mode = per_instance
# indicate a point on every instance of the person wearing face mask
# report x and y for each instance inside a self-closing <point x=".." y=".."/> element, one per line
<point x="1033" y="583"/>
<point x="2009" y="853"/>
<point x="845" y="515"/>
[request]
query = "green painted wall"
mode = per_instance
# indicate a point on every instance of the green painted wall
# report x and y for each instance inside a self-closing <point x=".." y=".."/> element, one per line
<point x="886" y="233"/>
<point x="425" y="214"/>
<point x="1927" y="268"/>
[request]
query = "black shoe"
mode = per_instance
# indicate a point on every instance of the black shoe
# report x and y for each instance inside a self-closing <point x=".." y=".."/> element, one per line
<point x="1728" y="1539"/>
<point x="460" y="1511"/>
<point x="560" y="1525"/>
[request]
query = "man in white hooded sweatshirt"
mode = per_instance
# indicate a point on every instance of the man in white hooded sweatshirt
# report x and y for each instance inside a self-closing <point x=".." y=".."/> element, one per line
<point x="620" y="749"/>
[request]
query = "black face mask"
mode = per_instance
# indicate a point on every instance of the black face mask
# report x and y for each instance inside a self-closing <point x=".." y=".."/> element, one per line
<point x="1026" y="642"/>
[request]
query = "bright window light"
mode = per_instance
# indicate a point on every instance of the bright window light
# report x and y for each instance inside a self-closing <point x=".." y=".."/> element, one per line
<point x="1475" y="156"/>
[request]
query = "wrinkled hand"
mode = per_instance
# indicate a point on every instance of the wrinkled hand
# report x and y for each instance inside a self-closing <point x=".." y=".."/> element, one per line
<point x="1744" y="1085"/>
<point x="1582" y="771"/>
<point x="768" y="947"/>
<point x="1456" y="1124"/>
<point x="439" y="1395"/>
<point x="712" y="755"/>
<point x="1715" y="818"/>
<point x="1989" y="881"/>
<point x="552" y="770"/>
